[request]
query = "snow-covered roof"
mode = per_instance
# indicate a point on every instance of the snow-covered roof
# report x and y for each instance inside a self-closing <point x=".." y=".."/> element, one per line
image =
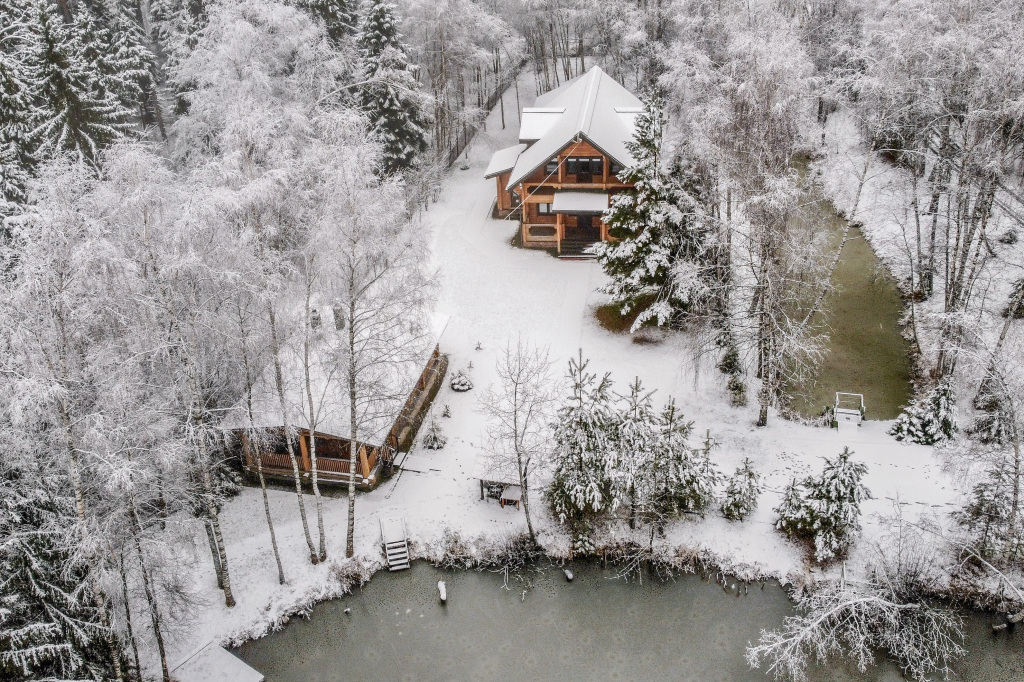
<point x="212" y="663"/>
<point x="391" y="384"/>
<point x="504" y="160"/>
<point x="580" y="202"/>
<point x="536" y="121"/>
<point x="596" y="109"/>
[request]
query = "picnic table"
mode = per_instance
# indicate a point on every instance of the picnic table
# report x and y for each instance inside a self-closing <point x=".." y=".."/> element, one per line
<point x="512" y="494"/>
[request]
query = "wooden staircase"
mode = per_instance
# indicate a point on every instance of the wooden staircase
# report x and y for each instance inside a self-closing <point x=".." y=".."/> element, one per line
<point x="396" y="544"/>
<point x="576" y="249"/>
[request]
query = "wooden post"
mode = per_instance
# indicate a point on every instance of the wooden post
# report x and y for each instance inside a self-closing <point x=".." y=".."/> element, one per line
<point x="481" y="488"/>
<point x="558" y="231"/>
<point x="247" y="449"/>
<point x="307" y="465"/>
<point x="363" y="464"/>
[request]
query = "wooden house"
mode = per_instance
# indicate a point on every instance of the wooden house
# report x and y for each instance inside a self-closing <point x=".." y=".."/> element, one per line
<point x="402" y="394"/>
<point x="572" y="145"/>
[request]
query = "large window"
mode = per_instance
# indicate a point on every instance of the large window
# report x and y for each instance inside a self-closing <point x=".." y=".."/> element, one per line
<point x="585" y="168"/>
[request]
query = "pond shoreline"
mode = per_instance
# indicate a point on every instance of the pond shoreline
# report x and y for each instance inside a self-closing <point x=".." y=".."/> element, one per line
<point x="454" y="553"/>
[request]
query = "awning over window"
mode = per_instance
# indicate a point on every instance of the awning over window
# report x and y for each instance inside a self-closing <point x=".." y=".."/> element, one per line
<point x="579" y="202"/>
<point x="504" y="160"/>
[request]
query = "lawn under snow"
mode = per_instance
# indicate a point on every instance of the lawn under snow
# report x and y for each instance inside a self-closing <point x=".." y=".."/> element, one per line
<point x="493" y="292"/>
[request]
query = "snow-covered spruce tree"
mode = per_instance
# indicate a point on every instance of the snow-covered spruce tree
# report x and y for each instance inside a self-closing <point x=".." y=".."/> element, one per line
<point x="74" y="110"/>
<point x="17" y="153"/>
<point x="826" y="510"/>
<point x="339" y="17"/>
<point x="996" y="530"/>
<point x="390" y="97"/>
<point x="742" y="492"/>
<point x="49" y="627"/>
<point x="931" y="418"/>
<point x="635" y="429"/>
<point x="682" y="478"/>
<point x="434" y="438"/>
<point x="584" y="450"/>
<point x="659" y="261"/>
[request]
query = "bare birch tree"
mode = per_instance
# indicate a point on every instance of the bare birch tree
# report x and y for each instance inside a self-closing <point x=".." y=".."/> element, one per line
<point x="520" y="412"/>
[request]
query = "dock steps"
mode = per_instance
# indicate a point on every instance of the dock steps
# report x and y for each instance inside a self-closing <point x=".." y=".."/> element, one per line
<point x="396" y="544"/>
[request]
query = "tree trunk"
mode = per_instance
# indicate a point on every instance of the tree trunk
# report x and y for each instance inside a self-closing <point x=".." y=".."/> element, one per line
<point x="270" y="519"/>
<point x="322" y="556"/>
<point x="99" y="601"/>
<point x="350" y="548"/>
<point x="215" y="553"/>
<point x="154" y="609"/>
<point x="279" y="381"/>
<point x="128" y="617"/>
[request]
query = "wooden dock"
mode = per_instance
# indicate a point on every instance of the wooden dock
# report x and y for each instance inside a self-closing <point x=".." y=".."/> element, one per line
<point x="396" y="543"/>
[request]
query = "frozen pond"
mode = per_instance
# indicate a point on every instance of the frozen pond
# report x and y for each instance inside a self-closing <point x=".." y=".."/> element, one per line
<point x="595" y="628"/>
<point x="866" y="352"/>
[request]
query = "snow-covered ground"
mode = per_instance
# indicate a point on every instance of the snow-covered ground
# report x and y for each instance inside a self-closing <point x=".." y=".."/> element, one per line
<point x="493" y="292"/>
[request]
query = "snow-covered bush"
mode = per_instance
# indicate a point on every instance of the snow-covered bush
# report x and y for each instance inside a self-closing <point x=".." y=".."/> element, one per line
<point x="434" y="438"/>
<point x="741" y="493"/>
<point x="825" y="510"/>
<point x="930" y="419"/>
<point x="460" y="383"/>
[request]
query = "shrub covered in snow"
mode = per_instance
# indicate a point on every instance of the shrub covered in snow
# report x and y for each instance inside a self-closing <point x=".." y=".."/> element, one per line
<point x="826" y="510"/>
<point x="930" y="419"/>
<point x="460" y="383"/>
<point x="741" y="493"/>
<point x="434" y="438"/>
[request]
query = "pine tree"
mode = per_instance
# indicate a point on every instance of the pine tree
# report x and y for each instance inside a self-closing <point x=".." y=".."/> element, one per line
<point x="741" y="493"/>
<point x="339" y="17"/>
<point x="49" y="627"/>
<point x="585" y="451"/>
<point x="930" y="419"/>
<point x="390" y="97"/>
<point x="75" y="111"/>
<point x="826" y="510"/>
<point x="659" y="261"/>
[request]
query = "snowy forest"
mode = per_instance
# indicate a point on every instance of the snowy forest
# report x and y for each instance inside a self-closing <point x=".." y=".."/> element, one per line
<point x="189" y="187"/>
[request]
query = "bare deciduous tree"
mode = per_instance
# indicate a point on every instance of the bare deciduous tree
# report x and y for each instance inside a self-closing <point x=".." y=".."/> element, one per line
<point x="520" y="410"/>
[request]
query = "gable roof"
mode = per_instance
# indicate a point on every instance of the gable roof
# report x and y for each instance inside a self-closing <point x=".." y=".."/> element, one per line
<point x="595" y="108"/>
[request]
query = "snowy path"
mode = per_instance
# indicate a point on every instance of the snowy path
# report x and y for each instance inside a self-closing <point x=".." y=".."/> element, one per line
<point x="492" y="291"/>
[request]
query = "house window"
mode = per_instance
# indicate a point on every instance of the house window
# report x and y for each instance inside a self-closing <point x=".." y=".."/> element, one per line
<point x="543" y="209"/>
<point x="584" y="167"/>
<point x="542" y="231"/>
<point x="551" y="168"/>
